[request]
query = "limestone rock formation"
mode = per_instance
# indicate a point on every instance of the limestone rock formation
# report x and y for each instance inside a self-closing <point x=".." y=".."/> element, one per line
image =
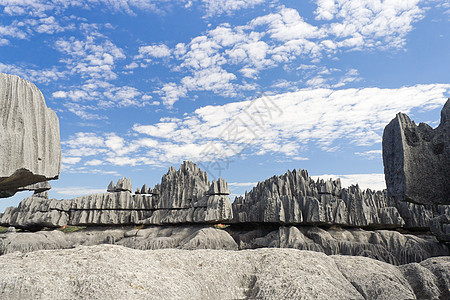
<point x="150" y="238"/>
<point x="417" y="159"/>
<point x="179" y="189"/>
<point x="295" y="198"/>
<point x="111" y="187"/>
<point x="383" y="245"/>
<point x="115" y="272"/>
<point x="30" y="150"/>
<point x="180" y="198"/>
<point x="219" y="187"/>
<point x="123" y="185"/>
<point x="37" y="187"/>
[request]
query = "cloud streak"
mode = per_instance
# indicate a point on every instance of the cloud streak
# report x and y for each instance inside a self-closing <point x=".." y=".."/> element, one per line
<point x="325" y="118"/>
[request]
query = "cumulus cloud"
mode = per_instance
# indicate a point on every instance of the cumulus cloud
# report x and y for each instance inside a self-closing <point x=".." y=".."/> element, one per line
<point x="285" y="125"/>
<point x="71" y="160"/>
<point x="32" y="73"/>
<point x="218" y="7"/>
<point x="280" y="38"/>
<point x="370" y="154"/>
<point x="94" y="56"/>
<point x="157" y="51"/>
<point x="360" y="24"/>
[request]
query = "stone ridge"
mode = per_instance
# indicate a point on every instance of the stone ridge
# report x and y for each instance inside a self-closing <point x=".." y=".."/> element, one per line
<point x="178" y="189"/>
<point x="30" y="150"/>
<point x="295" y="198"/>
<point x="181" y="198"/>
<point x="384" y="245"/>
<point x="417" y="159"/>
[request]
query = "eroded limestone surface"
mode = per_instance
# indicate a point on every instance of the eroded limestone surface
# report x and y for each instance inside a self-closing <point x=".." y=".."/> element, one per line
<point x="30" y="150"/>
<point x="417" y="159"/>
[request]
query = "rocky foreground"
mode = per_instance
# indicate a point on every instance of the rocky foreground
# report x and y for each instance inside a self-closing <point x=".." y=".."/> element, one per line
<point x="115" y="272"/>
<point x="384" y="245"/>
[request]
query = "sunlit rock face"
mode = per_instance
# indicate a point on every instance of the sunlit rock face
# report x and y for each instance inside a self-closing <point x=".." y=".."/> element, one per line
<point x="295" y="198"/>
<point x="185" y="196"/>
<point x="114" y="272"/>
<point x="417" y="159"/>
<point x="30" y="150"/>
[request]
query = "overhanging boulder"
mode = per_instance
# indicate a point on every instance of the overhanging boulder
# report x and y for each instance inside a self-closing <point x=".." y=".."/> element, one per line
<point x="30" y="150"/>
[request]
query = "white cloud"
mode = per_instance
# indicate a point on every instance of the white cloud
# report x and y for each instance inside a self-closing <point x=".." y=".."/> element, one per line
<point x="218" y="7"/>
<point x="370" y="154"/>
<point x="287" y="25"/>
<point x="131" y="66"/>
<point x="94" y="162"/>
<point x="94" y="56"/>
<point x="359" y="24"/>
<point x="157" y="51"/>
<point x="285" y="125"/>
<point x="280" y="38"/>
<point x="71" y="160"/>
<point x="96" y="95"/>
<point x="32" y="73"/>
<point x="373" y="181"/>
<point x="76" y="191"/>
<point x="172" y="93"/>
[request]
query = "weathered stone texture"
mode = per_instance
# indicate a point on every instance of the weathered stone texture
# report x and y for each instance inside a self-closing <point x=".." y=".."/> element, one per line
<point x="30" y="150"/>
<point x="417" y="159"/>
<point x="294" y="198"/>
<point x="384" y="245"/>
<point x="181" y="198"/>
<point x="154" y="237"/>
<point x="114" y="272"/>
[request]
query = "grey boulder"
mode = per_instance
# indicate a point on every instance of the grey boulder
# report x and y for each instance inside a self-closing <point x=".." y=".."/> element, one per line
<point x="417" y="159"/>
<point x="30" y="150"/>
<point x="115" y="272"/>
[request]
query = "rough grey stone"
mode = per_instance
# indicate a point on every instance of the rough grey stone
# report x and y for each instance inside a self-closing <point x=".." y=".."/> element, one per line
<point x="417" y="159"/>
<point x="219" y="187"/>
<point x="123" y="185"/>
<point x="41" y="195"/>
<point x="423" y="282"/>
<point x="30" y="150"/>
<point x="384" y="245"/>
<point x="294" y="198"/>
<point x="144" y="189"/>
<point x="178" y="189"/>
<point x="440" y="267"/>
<point x="440" y="227"/>
<point x="374" y="279"/>
<point x="111" y="187"/>
<point x="173" y="206"/>
<point x="37" y="187"/>
<point x="151" y="238"/>
<point x="114" y="272"/>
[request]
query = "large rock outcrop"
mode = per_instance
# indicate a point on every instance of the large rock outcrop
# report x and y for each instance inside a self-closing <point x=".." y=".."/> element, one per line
<point x="296" y="199"/>
<point x="114" y="272"/>
<point x="184" y="196"/>
<point x="149" y="238"/>
<point x="417" y="159"/>
<point x="30" y="150"/>
<point x="384" y="245"/>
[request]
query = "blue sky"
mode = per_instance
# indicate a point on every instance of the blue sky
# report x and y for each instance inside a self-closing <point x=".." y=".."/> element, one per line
<point x="252" y="88"/>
